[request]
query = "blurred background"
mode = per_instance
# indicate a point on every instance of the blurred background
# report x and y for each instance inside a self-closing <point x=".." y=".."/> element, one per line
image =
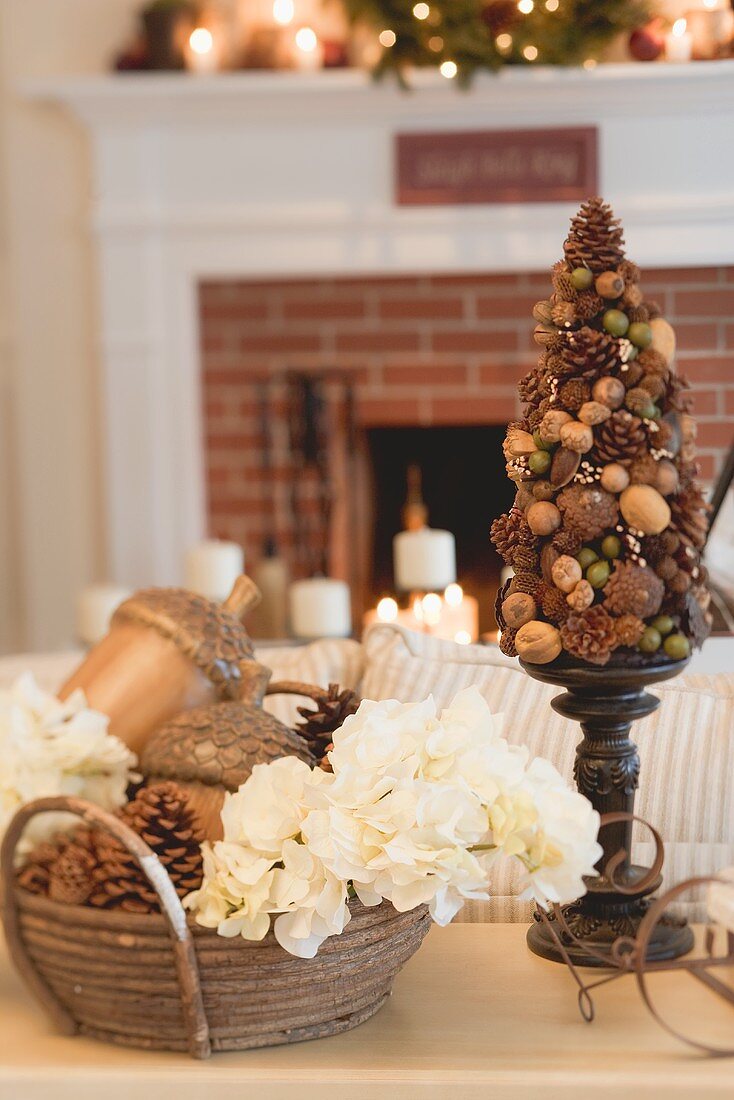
<point x="236" y="305"/>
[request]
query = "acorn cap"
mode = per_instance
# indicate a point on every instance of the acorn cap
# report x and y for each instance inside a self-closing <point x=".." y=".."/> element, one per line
<point x="210" y="634"/>
<point x="219" y="745"/>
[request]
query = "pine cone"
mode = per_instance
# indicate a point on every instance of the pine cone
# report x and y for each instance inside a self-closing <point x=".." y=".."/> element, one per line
<point x="588" y="509"/>
<point x="590" y="635"/>
<point x="574" y="393"/>
<point x="643" y="470"/>
<point x="619" y="439"/>
<point x="637" y="313"/>
<point x="637" y="400"/>
<point x="629" y="271"/>
<point x="529" y="387"/>
<point x="629" y="629"/>
<point x="652" y="362"/>
<point x="564" y="314"/>
<point x="530" y="583"/>
<point x="160" y="815"/>
<point x="694" y="623"/>
<point x="70" y="880"/>
<point x="655" y="547"/>
<point x="507" y="642"/>
<point x="595" y="239"/>
<point x="554" y="606"/>
<point x="689" y="516"/>
<point x="589" y="305"/>
<point x="568" y="541"/>
<point x="666" y="568"/>
<point x="319" y="725"/>
<point x="34" y="875"/>
<point x="633" y="590"/>
<point x="525" y="560"/>
<point x="502" y="594"/>
<point x="510" y="530"/>
<point x="587" y="354"/>
<point x="563" y="286"/>
<point x="654" y="385"/>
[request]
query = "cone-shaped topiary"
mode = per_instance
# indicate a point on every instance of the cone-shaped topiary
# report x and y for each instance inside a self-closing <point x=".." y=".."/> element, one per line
<point x="612" y="447"/>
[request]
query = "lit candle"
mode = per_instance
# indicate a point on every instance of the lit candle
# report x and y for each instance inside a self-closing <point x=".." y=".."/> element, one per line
<point x="95" y="607"/>
<point x="424" y="560"/>
<point x="203" y="54"/>
<point x="320" y="608"/>
<point x="679" y="44"/>
<point x="711" y="29"/>
<point x="211" y="568"/>
<point x="308" y="53"/>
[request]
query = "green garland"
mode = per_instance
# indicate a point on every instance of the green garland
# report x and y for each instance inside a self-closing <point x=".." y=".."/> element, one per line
<point x="487" y="34"/>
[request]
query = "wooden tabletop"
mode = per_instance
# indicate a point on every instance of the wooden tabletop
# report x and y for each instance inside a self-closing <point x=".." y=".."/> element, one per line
<point x="473" y="1015"/>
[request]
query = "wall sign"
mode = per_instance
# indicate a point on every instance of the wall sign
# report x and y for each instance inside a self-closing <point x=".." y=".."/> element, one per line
<point x="496" y="166"/>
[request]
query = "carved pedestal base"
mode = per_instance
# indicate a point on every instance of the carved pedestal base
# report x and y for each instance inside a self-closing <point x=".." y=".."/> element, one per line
<point x="606" y="701"/>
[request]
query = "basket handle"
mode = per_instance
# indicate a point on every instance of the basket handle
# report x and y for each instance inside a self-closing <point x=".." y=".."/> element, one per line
<point x="296" y="687"/>
<point x="187" y="969"/>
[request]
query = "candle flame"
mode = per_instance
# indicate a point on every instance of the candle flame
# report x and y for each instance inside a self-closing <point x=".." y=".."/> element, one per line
<point x="679" y="28"/>
<point x="306" y="39"/>
<point x="201" y="40"/>
<point x="283" y="12"/>
<point x="387" y="610"/>
<point x="463" y="637"/>
<point x="453" y="595"/>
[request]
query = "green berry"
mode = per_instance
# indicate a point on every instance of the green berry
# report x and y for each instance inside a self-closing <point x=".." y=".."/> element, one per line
<point x="650" y="641"/>
<point x="539" y="462"/>
<point x="640" y="334"/>
<point x="677" y="646"/>
<point x="611" y="547"/>
<point x="615" y="322"/>
<point x="648" y="412"/>
<point x="540" y="443"/>
<point x="655" y="414"/>
<point x="598" y="574"/>
<point x="586" y="557"/>
<point x="581" y="278"/>
<point x="663" y="624"/>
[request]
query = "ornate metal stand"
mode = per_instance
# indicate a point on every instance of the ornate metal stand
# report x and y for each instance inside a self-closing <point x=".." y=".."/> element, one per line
<point x="606" y="701"/>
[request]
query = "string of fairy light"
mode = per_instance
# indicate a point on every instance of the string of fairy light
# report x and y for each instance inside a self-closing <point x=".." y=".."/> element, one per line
<point x="504" y="41"/>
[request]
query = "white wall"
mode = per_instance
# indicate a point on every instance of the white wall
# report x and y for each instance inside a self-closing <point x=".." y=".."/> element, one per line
<point x="50" y="541"/>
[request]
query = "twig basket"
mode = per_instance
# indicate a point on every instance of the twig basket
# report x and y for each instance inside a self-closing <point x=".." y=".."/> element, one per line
<point x="159" y="981"/>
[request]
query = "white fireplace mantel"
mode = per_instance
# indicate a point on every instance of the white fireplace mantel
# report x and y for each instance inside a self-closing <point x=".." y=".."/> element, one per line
<point x="260" y="174"/>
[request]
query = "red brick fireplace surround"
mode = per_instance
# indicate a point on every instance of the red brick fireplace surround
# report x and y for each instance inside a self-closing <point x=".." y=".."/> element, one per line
<point x="443" y="350"/>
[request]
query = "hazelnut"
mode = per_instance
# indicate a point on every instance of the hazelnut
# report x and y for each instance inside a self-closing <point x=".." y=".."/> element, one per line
<point x="644" y="509"/>
<point x="543" y="333"/>
<point x="667" y="479"/>
<point x="609" y="284"/>
<point x="593" y="412"/>
<point x="614" y="478"/>
<point x="523" y="497"/>
<point x="663" y="338"/>
<point x="543" y="518"/>
<point x="566" y="573"/>
<point x="518" y="609"/>
<point x="577" y="437"/>
<point x="543" y="490"/>
<point x="609" y="392"/>
<point x="581" y="597"/>
<point x="518" y="443"/>
<point x="551" y="424"/>
<point x="538" y="642"/>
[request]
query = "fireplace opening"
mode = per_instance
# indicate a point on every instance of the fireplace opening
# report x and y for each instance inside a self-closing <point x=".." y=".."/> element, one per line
<point x="464" y="489"/>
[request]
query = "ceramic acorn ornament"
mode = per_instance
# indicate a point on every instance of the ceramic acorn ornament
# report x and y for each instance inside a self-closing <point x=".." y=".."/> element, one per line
<point x="169" y="650"/>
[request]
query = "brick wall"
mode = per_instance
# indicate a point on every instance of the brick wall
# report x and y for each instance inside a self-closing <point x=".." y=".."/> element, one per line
<point x="439" y="350"/>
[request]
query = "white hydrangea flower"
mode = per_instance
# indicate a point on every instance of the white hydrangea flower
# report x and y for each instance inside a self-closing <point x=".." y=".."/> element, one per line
<point x="53" y="747"/>
<point x="415" y="811"/>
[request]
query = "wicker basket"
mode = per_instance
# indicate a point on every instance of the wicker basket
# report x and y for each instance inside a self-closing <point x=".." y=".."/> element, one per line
<point x="162" y="982"/>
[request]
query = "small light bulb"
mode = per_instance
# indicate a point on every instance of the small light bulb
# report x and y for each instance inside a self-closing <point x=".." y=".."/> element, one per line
<point x="590" y="63"/>
<point x="503" y="42"/>
<point x="388" y="39"/>
<point x="679" y="28"/>
<point x="306" y="39"/>
<point x="421" y="11"/>
<point x="530" y="53"/>
<point x="387" y="610"/>
<point x="435" y="43"/>
<point x="453" y="595"/>
<point x="201" y="40"/>
<point x="525" y="6"/>
<point x="432" y="608"/>
<point x="552" y="5"/>
<point x="283" y="12"/>
<point x="462" y="637"/>
<point x="449" y="69"/>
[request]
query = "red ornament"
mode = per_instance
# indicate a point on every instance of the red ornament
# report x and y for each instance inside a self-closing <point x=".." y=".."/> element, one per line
<point x="336" y="54"/>
<point x="500" y="15"/>
<point x="647" y="43"/>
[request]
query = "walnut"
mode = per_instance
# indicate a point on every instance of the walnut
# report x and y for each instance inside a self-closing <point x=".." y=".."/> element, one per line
<point x="518" y="609"/>
<point x="593" y="412"/>
<point x="614" y="478"/>
<point x="538" y="643"/>
<point x="566" y="573"/>
<point x="644" y="509"/>
<point x="543" y="518"/>
<point x="551" y="424"/>
<point x="577" y="437"/>
<point x="581" y="597"/>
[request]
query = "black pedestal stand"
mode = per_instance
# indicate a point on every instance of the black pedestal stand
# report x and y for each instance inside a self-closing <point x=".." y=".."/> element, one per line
<point x="606" y="701"/>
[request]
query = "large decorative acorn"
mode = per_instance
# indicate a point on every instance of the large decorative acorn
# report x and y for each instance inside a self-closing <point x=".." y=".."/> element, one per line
<point x="213" y="749"/>
<point x="168" y="651"/>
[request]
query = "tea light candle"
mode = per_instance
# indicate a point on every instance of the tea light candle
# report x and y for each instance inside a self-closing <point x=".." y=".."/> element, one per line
<point x="320" y="607"/>
<point x="211" y="568"/>
<point x="96" y="605"/>
<point x="308" y="51"/>
<point x="424" y="560"/>
<point x="679" y="44"/>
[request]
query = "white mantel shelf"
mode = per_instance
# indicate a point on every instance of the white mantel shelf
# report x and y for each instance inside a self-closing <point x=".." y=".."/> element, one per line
<point x="286" y="175"/>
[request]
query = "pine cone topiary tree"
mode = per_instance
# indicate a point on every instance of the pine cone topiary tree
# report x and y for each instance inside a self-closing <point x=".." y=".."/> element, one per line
<point x="607" y="502"/>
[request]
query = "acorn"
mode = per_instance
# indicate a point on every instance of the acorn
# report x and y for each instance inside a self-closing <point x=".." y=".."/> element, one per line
<point x="609" y="284"/>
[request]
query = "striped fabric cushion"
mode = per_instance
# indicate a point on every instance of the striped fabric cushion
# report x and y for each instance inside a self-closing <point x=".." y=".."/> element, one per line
<point x="324" y="662"/>
<point x="686" y="747"/>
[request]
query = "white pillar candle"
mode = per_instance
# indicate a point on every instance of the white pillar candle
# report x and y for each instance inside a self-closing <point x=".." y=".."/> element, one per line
<point x="320" y="608"/>
<point x="211" y="568"/>
<point x="678" y="44"/>
<point x="424" y="560"/>
<point x="95" y="607"/>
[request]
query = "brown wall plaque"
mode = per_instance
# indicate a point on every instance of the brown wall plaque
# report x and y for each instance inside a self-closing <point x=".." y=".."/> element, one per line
<point x="496" y="166"/>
